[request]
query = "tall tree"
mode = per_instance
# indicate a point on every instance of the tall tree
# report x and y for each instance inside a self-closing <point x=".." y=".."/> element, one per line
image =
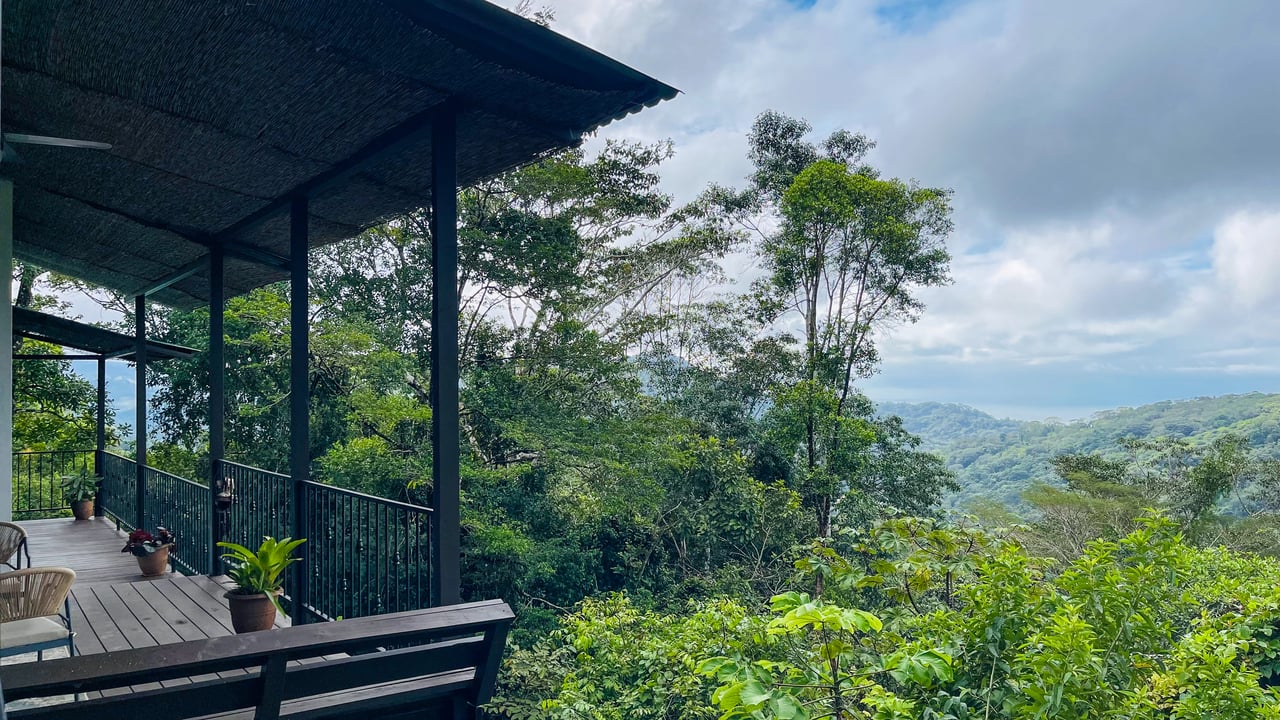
<point x="848" y="257"/>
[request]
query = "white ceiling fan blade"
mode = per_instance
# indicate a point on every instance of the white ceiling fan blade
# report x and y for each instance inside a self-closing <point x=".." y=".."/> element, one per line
<point x="56" y="142"/>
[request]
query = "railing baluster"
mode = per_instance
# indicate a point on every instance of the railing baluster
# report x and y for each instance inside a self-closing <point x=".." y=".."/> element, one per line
<point x="352" y="580"/>
<point x="37" y="476"/>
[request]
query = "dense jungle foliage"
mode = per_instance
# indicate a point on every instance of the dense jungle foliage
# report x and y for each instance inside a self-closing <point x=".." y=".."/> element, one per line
<point x="921" y="619"/>
<point x="670" y="474"/>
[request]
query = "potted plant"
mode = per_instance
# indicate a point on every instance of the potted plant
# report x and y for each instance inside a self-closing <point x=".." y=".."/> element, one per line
<point x="79" y="489"/>
<point x="152" y="550"/>
<point x="258" y="577"/>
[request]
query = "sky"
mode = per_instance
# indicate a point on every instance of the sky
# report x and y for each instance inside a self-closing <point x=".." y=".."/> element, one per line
<point x="1115" y="167"/>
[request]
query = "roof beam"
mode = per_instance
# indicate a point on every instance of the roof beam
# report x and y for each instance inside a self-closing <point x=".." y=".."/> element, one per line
<point x="53" y="356"/>
<point x="417" y="126"/>
<point x="232" y="248"/>
<point x="90" y="341"/>
<point x="254" y="254"/>
<point x="243" y="251"/>
<point x="176" y="276"/>
<point x="181" y="232"/>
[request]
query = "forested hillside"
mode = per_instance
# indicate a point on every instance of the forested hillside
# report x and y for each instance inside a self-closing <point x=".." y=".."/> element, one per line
<point x="997" y="458"/>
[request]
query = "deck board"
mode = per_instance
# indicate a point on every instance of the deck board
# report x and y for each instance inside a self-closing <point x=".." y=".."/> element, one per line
<point x="88" y="642"/>
<point x="172" y="616"/>
<point x="98" y="620"/>
<point x="148" y="616"/>
<point x="90" y="547"/>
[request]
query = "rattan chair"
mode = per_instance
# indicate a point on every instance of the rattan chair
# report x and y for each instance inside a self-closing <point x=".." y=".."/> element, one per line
<point x="13" y="545"/>
<point x="35" y="611"/>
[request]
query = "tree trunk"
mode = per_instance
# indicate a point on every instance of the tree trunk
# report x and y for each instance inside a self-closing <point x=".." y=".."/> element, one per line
<point x="26" y="288"/>
<point x="824" y="516"/>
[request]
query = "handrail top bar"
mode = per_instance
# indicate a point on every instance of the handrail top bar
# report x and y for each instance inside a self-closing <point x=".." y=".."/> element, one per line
<point x="366" y="496"/>
<point x="225" y="461"/>
<point x="172" y="477"/>
<point x="52" y="452"/>
<point x="331" y="488"/>
<point x="241" y="651"/>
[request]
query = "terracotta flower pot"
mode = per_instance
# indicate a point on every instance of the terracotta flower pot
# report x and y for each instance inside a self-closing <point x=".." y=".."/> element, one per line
<point x="251" y="613"/>
<point x="155" y="564"/>
<point x="82" y="509"/>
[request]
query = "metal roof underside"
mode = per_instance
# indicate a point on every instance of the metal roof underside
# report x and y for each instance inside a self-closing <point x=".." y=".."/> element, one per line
<point x="89" y="338"/>
<point x="219" y="111"/>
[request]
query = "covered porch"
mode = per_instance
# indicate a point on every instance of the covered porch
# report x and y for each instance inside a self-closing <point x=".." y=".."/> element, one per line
<point x="115" y="609"/>
<point x="240" y="139"/>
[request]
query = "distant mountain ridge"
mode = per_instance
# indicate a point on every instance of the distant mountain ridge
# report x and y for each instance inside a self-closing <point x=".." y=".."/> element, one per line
<point x="997" y="458"/>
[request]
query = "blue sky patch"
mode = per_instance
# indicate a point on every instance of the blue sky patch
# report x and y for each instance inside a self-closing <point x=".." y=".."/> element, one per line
<point x="914" y="15"/>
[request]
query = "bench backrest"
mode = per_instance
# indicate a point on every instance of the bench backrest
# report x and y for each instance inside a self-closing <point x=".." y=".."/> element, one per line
<point x="450" y="654"/>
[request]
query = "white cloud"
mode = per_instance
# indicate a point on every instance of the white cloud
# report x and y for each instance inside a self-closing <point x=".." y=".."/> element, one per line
<point x="1246" y="258"/>
<point x="1054" y="295"/>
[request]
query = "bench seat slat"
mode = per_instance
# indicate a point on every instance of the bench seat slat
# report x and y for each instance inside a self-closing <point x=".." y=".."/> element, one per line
<point x="391" y="665"/>
<point x="115" y="669"/>
<point x="309" y="674"/>
<point x="372" y="700"/>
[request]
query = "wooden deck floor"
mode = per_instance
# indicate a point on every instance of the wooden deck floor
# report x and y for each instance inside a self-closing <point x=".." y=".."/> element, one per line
<point x="109" y="617"/>
<point x="119" y="616"/>
<point x="112" y="606"/>
<point x="90" y="547"/>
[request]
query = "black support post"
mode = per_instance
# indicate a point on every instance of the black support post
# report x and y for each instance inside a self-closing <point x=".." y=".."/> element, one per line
<point x="140" y="360"/>
<point x="217" y="399"/>
<point x="299" y="398"/>
<point x="102" y="434"/>
<point x="445" y="527"/>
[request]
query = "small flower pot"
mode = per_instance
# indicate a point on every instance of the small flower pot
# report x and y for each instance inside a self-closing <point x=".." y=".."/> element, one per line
<point x="154" y="564"/>
<point x="82" y="509"/>
<point x="251" y="612"/>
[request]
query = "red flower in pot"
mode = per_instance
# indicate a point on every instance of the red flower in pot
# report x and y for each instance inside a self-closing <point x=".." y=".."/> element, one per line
<point x="151" y="549"/>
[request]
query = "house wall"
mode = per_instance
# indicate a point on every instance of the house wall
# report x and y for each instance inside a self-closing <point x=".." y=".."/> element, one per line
<point x="6" y="352"/>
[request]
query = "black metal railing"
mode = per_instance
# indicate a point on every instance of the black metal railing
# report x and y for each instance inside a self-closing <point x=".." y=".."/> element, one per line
<point x="259" y="504"/>
<point x="182" y="507"/>
<point x="366" y="555"/>
<point x="37" y="477"/>
<point x="119" y="490"/>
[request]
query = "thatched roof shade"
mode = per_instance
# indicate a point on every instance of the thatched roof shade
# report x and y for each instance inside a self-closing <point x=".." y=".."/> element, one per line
<point x="89" y="338"/>
<point x="218" y="110"/>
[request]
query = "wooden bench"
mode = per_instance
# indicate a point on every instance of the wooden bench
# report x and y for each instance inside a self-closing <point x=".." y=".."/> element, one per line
<point x="444" y="665"/>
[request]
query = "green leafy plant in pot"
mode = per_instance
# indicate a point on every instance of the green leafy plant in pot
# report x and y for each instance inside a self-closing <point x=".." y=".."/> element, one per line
<point x="258" y="577"/>
<point x="79" y="489"/>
